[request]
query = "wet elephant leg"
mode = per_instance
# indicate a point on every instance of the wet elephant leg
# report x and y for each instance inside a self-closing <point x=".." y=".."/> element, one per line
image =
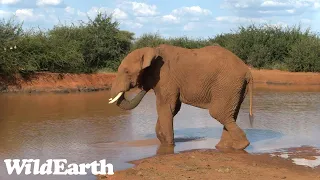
<point x="232" y="136"/>
<point x="164" y="126"/>
<point x="238" y="136"/>
<point x="226" y="141"/>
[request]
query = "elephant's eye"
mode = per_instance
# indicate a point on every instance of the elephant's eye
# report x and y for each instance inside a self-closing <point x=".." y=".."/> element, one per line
<point x="126" y="71"/>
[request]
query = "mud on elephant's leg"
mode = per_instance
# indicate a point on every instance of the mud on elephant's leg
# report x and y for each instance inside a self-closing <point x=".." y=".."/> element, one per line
<point x="231" y="131"/>
<point x="226" y="141"/>
<point x="160" y="134"/>
<point x="238" y="136"/>
<point x="164" y="126"/>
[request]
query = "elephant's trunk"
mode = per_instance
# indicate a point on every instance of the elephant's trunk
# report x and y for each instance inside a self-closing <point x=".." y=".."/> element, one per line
<point x="123" y="103"/>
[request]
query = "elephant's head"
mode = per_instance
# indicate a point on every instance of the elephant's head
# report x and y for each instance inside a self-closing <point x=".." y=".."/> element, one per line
<point x="134" y="71"/>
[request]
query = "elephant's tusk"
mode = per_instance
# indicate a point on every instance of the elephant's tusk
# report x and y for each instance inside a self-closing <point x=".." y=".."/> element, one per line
<point x="115" y="99"/>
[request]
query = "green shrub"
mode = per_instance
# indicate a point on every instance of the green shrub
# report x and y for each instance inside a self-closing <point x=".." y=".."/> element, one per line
<point x="99" y="45"/>
<point x="148" y="40"/>
<point x="304" y="55"/>
<point x="84" y="48"/>
<point x="10" y="33"/>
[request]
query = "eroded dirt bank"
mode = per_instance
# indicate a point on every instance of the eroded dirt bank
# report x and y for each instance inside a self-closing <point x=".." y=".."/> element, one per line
<point x="212" y="164"/>
<point x="55" y="82"/>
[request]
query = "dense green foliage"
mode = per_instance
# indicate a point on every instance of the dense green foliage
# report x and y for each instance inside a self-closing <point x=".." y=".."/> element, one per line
<point x="100" y="44"/>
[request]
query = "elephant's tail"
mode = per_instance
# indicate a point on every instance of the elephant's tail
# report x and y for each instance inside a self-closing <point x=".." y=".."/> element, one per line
<point x="250" y="81"/>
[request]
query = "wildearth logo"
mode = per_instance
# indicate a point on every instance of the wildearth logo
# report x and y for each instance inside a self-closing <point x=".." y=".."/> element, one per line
<point x="56" y="167"/>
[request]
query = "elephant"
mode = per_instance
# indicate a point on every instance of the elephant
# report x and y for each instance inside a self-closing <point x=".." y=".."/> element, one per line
<point x="210" y="77"/>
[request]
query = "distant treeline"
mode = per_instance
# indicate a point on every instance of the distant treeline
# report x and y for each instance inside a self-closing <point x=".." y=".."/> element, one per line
<point x="99" y="44"/>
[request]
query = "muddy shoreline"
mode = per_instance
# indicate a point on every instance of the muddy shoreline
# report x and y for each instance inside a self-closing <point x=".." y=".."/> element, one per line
<point x="227" y="165"/>
<point x="66" y="83"/>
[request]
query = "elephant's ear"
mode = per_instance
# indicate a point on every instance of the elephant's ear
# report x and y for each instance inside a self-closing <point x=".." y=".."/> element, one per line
<point x="148" y="56"/>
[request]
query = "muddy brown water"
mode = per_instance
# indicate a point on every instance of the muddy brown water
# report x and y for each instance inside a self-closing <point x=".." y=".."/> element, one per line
<point x="83" y="127"/>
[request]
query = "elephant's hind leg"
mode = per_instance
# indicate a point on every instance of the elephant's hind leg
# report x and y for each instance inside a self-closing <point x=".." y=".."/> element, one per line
<point x="225" y="109"/>
<point x="238" y="136"/>
<point x="164" y="127"/>
<point x="226" y="115"/>
<point x="226" y="141"/>
<point x="232" y="135"/>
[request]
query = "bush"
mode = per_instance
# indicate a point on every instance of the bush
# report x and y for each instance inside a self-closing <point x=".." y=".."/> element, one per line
<point x="304" y="55"/>
<point x="263" y="46"/>
<point x="149" y="39"/>
<point x="85" y="48"/>
<point x="10" y="33"/>
<point x="99" y="44"/>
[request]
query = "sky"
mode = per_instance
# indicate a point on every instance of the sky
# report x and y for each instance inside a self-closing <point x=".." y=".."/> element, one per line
<point x="169" y="18"/>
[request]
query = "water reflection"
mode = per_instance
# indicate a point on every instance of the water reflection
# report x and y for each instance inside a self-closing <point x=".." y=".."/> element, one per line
<point x="84" y="127"/>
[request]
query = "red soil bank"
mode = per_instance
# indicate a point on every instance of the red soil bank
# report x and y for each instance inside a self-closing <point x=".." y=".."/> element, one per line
<point x="55" y="82"/>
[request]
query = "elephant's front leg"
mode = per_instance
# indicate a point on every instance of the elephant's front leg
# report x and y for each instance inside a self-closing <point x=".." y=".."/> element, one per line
<point x="164" y="127"/>
<point x="166" y="112"/>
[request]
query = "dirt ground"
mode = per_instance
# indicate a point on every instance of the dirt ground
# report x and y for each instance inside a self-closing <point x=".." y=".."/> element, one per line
<point x="55" y="82"/>
<point x="213" y="164"/>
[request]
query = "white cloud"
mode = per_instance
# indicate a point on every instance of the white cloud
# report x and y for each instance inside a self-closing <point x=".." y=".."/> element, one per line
<point x="69" y="10"/>
<point x="186" y="14"/>
<point x="250" y="8"/>
<point x="95" y="10"/>
<point x="28" y="15"/>
<point x="80" y="13"/>
<point x="170" y="18"/>
<point x="119" y="14"/>
<point x="9" y="1"/>
<point x="143" y="9"/>
<point x="236" y="19"/>
<point x="238" y="4"/>
<point x="272" y="4"/>
<point x="24" y="12"/>
<point x="193" y="10"/>
<point x="48" y="2"/>
<point x="291" y="11"/>
<point x="137" y="8"/>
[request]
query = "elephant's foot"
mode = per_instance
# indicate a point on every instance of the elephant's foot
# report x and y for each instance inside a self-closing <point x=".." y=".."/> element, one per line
<point x="238" y="136"/>
<point x="226" y="141"/>
<point x="165" y="149"/>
